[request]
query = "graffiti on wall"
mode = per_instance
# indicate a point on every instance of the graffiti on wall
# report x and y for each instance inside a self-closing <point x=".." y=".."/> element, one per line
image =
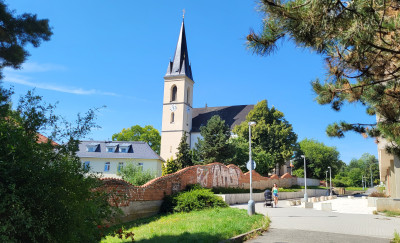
<point x="221" y="176"/>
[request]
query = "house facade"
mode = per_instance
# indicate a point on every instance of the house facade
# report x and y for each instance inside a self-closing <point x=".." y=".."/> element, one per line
<point x="389" y="170"/>
<point x="108" y="157"/>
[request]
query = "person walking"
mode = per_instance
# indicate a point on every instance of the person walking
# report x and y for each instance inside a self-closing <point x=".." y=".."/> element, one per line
<point x="275" y="194"/>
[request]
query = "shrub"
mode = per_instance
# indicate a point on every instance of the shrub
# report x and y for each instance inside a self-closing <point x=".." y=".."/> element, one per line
<point x="396" y="238"/>
<point x="377" y="194"/>
<point x="195" y="199"/>
<point x="135" y="175"/>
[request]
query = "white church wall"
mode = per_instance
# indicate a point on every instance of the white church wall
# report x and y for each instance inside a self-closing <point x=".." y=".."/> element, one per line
<point x="193" y="138"/>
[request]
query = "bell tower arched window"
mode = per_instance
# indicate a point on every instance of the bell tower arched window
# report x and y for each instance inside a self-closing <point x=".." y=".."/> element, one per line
<point x="172" y="117"/>
<point x="174" y="91"/>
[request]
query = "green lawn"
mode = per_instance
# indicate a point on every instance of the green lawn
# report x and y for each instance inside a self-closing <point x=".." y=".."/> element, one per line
<point x="212" y="225"/>
<point x="355" y="189"/>
<point x="391" y="213"/>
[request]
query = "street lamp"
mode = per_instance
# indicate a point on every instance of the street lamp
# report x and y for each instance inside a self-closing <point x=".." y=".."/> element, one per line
<point x="330" y="180"/>
<point x="251" y="206"/>
<point x="305" y="180"/>
<point x="372" y="183"/>
<point x="326" y="178"/>
<point x="362" y="181"/>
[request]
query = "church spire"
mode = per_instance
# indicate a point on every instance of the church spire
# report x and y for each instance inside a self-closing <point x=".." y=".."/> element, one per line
<point x="180" y="64"/>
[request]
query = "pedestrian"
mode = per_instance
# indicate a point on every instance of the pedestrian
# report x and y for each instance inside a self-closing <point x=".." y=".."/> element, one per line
<point x="275" y="194"/>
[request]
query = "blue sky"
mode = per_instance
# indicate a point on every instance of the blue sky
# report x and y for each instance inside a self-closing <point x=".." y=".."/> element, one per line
<point x="116" y="53"/>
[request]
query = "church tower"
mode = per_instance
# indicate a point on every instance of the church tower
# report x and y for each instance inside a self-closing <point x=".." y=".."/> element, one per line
<point x="178" y="99"/>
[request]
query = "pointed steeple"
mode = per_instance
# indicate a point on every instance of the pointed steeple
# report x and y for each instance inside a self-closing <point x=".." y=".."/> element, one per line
<point x="180" y="65"/>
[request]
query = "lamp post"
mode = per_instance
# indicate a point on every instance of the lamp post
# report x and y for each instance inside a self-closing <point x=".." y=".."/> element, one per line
<point x="326" y="178"/>
<point x="372" y="183"/>
<point x="330" y="180"/>
<point x="305" y="179"/>
<point x="251" y="206"/>
<point x="362" y="182"/>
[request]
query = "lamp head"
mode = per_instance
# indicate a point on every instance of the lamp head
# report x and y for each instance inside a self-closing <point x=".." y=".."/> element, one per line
<point x="303" y="156"/>
<point x="329" y="167"/>
<point x="252" y="123"/>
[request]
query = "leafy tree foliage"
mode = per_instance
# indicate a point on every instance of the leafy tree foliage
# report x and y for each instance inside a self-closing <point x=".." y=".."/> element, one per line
<point x="318" y="158"/>
<point x="351" y="175"/>
<point x="184" y="155"/>
<point x="214" y="146"/>
<point x="273" y="138"/>
<point x="137" y="133"/>
<point x="16" y="32"/>
<point x="360" y="42"/>
<point x="45" y="193"/>
<point x="171" y="166"/>
<point x="134" y="174"/>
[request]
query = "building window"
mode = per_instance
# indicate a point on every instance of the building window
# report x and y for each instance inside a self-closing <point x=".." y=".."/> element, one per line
<point x="172" y="117"/>
<point x="86" y="165"/>
<point x="174" y="91"/>
<point x="141" y="165"/>
<point x="120" y="166"/>
<point x="110" y="150"/>
<point x="124" y="150"/>
<point x="91" y="149"/>
<point x="107" y="167"/>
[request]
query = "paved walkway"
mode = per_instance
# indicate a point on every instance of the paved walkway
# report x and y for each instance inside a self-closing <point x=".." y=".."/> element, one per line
<point x="350" y="221"/>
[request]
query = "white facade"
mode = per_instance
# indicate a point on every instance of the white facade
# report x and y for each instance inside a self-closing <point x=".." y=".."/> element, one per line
<point x="98" y="165"/>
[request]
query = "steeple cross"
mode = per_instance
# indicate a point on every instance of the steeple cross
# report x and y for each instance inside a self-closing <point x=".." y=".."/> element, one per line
<point x="183" y="11"/>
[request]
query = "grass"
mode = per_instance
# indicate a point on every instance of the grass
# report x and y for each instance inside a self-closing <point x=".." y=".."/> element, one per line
<point x="355" y="189"/>
<point x="391" y="213"/>
<point x="211" y="225"/>
<point x="396" y="238"/>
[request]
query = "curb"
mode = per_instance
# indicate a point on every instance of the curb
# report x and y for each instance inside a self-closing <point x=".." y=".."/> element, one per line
<point x="242" y="237"/>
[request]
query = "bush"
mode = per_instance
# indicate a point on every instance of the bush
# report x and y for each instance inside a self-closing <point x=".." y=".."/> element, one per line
<point x="377" y="194"/>
<point x="195" y="199"/>
<point x="135" y="175"/>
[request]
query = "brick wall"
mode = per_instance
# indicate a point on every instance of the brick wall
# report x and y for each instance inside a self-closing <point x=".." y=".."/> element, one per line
<point x="211" y="175"/>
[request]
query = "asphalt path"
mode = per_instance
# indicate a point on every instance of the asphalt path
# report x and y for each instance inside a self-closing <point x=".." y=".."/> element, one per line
<point x="349" y="221"/>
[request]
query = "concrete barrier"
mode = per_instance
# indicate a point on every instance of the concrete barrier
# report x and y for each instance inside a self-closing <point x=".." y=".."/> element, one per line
<point x="307" y="205"/>
<point x="391" y="204"/>
<point x="372" y="201"/>
<point x="326" y="206"/>
<point x="259" y="197"/>
<point x="350" y="197"/>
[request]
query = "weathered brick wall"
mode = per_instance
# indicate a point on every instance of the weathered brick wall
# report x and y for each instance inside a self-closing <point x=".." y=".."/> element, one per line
<point x="211" y="175"/>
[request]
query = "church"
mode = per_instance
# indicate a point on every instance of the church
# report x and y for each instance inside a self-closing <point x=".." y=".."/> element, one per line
<point x="179" y="116"/>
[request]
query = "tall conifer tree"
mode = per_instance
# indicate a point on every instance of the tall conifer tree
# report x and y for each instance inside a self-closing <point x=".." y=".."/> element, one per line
<point x="360" y="41"/>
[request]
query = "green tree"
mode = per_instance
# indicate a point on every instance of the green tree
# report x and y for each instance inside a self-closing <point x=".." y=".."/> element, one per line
<point x="214" y="145"/>
<point x="360" y="43"/>
<point x="318" y="158"/>
<point x="272" y="137"/>
<point x="16" y="32"/>
<point x="171" y="166"/>
<point x="134" y="174"/>
<point x="45" y="193"/>
<point x="184" y="155"/>
<point x="137" y="133"/>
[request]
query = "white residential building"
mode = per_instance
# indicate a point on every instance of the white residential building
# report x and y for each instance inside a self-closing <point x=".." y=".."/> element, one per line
<point x="108" y="157"/>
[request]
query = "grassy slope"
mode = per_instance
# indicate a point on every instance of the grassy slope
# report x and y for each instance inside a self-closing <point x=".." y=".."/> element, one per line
<point x="211" y="225"/>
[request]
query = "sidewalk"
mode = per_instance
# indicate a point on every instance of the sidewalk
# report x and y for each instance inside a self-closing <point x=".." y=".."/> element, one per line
<point x="349" y="217"/>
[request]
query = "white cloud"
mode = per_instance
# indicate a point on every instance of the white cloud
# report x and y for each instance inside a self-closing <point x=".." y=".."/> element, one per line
<point x="33" y="67"/>
<point x="20" y="79"/>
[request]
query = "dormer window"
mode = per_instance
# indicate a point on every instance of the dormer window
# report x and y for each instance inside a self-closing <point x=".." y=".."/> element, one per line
<point x="124" y="148"/>
<point x="111" y="147"/>
<point x="92" y="147"/>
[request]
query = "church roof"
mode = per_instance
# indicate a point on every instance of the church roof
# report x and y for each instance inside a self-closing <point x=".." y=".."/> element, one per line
<point x="233" y="115"/>
<point x="180" y="65"/>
